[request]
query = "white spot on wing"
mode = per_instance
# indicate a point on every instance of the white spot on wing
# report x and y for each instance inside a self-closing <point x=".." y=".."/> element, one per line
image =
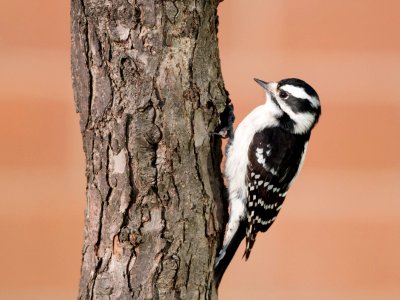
<point x="268" y="152"/>
<point x="273" y="171"/>
<point x="260" y="157"/>
<point x="268" y="221"/>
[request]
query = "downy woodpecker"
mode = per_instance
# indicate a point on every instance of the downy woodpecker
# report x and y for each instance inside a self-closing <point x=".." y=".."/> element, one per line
<point x="265" y="156"/>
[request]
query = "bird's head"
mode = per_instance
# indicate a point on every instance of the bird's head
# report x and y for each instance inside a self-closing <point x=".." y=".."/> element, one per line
<point x="295" y="104"/>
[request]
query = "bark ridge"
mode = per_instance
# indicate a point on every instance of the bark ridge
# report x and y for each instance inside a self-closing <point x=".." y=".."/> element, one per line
<point x="148" y="88"/>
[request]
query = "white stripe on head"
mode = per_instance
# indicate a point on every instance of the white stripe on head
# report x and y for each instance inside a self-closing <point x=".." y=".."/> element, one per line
<point x="299" y="92"/>
<point x="303" y="121"/>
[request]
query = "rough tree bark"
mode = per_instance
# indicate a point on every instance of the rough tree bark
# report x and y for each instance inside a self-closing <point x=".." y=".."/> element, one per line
<point x="148" y="87"/>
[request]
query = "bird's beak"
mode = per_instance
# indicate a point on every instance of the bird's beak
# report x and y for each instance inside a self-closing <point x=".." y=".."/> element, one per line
<point x="265" y="85"/>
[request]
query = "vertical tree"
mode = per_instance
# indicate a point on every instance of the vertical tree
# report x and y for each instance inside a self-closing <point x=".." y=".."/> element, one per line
<point x="148" y="88"/>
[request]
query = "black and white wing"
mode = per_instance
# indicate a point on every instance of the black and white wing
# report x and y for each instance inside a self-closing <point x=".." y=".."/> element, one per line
<point x="275" y="157"/>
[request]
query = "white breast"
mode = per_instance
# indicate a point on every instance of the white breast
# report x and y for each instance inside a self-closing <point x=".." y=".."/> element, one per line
<point x="237" y="156"/>
<point x="237" y="161"/>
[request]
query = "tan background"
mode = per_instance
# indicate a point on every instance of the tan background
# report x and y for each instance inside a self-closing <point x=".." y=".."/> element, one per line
<point x="338" y="235"/>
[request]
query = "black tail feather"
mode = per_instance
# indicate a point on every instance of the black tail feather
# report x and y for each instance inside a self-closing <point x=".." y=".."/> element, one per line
<point x="250" y="240"/>
<point x="230" y="250"/>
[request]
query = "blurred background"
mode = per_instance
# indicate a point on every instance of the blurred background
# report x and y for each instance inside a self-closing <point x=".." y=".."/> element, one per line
<point x="338" y="234"/>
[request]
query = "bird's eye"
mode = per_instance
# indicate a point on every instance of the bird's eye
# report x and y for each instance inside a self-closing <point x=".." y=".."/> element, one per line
<point x="283" y="95"/>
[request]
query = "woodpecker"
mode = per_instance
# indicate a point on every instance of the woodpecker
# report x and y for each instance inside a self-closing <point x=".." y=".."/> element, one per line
<point x="264" y="158"/>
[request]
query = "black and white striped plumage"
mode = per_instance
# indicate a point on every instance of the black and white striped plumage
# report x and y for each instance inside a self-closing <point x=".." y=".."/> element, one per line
<point x="265" y="156"/>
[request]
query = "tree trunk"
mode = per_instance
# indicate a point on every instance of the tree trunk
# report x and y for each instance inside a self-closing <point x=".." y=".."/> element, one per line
<point x="148" y="87"/>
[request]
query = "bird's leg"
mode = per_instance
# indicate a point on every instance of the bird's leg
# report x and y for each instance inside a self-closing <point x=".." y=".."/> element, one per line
<point x="225" y="128"/>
